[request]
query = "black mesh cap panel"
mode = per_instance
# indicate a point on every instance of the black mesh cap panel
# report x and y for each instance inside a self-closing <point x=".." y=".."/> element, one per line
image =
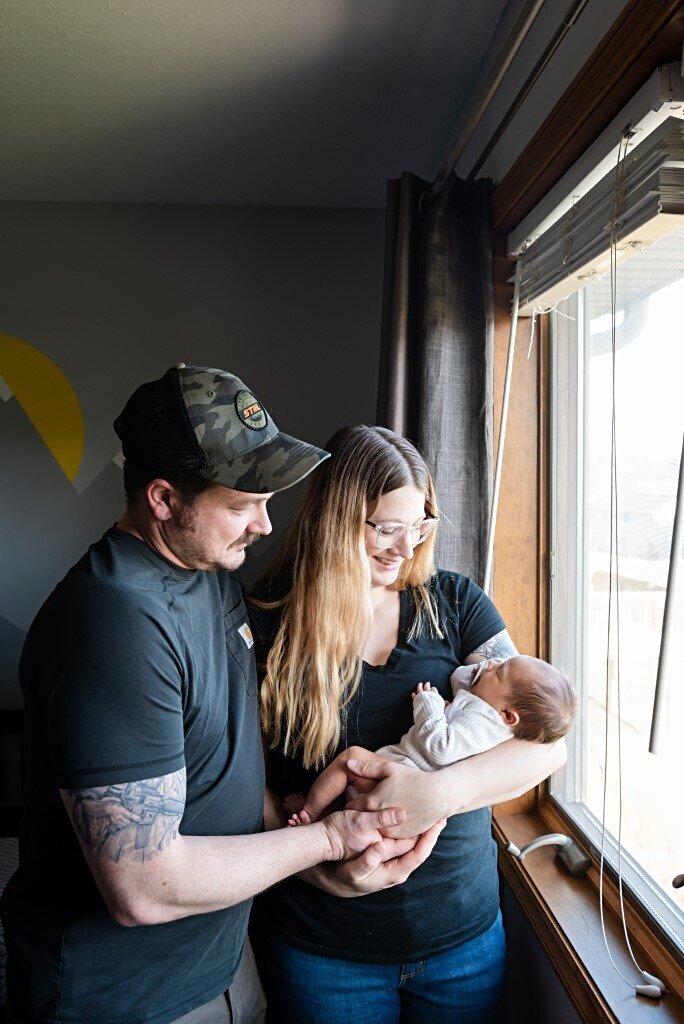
<point x="154" y="428"/>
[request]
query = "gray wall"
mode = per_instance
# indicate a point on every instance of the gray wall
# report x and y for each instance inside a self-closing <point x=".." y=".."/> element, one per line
<point x="290" y="299"/>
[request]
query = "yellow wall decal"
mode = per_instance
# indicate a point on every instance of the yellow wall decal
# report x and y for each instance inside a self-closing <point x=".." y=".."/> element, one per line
<point x="47" y="398"/>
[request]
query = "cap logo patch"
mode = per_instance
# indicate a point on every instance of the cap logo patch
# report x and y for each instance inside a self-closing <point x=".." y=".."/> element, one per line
<point x="250" y="411"/>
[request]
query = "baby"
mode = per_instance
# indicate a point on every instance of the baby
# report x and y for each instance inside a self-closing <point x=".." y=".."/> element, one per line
<point x="493" y="701"/>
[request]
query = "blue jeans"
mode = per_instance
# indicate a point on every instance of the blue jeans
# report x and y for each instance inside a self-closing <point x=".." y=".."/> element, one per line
<point x="462" y="986"/>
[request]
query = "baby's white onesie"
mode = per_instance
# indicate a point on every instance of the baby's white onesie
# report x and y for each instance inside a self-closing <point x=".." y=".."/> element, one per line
<point x="442" y="735"/>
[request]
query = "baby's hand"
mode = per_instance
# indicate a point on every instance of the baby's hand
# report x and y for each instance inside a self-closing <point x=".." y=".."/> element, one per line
<point x="423" y="688"/>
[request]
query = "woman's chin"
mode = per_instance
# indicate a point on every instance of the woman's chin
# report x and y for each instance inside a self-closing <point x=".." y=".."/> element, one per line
<point x="382" y="575"/>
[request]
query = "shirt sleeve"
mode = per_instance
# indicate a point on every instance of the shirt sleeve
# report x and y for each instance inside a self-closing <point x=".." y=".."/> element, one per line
<point x="475" y="617"/>
<point x="114" y="692"/>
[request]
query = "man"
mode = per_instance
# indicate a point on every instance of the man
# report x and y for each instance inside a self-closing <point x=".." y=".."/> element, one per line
<point x="142" y="841"/>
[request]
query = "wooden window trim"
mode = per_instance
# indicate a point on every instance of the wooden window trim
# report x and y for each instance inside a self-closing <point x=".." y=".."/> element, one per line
<point x="648" y="936"/>
<point x="563" y="911"/>
<point x="647" y="33"/>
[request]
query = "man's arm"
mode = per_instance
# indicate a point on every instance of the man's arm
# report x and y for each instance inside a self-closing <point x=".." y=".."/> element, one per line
<point x="381" y="866"/>
<point x="149" y="873"/>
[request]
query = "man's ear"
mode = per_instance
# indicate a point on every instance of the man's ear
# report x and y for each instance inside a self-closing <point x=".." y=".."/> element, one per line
<point x="159" y="494"/>
<point x="510" y="717"/>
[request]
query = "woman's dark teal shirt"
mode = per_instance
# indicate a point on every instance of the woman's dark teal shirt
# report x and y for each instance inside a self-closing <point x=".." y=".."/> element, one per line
<point x="454" y="895"/>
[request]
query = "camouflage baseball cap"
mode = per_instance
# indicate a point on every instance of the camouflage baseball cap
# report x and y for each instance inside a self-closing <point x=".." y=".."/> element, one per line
<point x="209" y="422"/>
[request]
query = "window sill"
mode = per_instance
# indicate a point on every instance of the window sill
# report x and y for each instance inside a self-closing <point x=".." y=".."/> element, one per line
<point x="564" y="913"/>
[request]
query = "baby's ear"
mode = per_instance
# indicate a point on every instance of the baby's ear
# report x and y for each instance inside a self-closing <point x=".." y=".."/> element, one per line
<point x="510" y="717"/>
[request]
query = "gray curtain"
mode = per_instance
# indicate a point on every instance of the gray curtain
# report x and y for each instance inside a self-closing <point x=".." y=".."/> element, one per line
<point x="435" y="382"/>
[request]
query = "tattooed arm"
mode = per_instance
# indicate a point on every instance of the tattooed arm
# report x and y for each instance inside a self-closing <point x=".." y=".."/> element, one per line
<point x="149" y="873"/>
<point x="499" y="647"/>
<point x="135" y="819"/>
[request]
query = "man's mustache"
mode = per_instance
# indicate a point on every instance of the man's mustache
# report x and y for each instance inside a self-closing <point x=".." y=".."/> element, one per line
<point x="247" y="538"/>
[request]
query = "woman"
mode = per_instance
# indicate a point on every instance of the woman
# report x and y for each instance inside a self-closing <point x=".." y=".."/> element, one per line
<point x="351" y="619"/>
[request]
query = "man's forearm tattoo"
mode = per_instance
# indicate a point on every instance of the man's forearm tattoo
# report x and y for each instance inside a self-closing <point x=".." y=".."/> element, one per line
<point x="130" y="819"/>
<point x="499" y="646"/>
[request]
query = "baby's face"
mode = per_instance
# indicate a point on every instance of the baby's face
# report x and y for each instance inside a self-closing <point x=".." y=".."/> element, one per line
<point x="493" y="684"/>
<point x="498" y="679"/>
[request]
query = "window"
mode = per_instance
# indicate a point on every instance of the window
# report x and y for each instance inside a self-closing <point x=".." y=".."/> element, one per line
<point x="649" y="433"/>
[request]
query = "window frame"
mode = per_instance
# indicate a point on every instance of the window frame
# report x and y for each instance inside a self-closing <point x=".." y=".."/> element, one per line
<point x="645" y="34"/>
<point x="567" y="646"/>
<point x="564" y="912"/>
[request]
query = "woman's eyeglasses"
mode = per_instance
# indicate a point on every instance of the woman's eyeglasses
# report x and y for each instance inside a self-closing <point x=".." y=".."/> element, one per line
<point x="387" y="535"/>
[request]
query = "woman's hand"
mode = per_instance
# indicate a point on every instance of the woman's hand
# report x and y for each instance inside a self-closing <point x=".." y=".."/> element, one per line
<point x="386" y="863"/>
<point x="418" y="793"/>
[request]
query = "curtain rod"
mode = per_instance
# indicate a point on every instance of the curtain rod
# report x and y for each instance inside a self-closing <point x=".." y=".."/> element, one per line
<point x="570" y="19"/>
<point x="559" y="35"/>
<point x="514" y="41"/>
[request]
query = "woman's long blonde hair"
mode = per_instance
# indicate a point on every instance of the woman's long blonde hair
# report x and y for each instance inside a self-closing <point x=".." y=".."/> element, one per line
<point x="314" y="665"/>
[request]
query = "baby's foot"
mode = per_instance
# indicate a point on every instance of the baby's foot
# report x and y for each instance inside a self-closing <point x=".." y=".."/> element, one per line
<point x="299" y="819"/>
<point x="294" y="802"/>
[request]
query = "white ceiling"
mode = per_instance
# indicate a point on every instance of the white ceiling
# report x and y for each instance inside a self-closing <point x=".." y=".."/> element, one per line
<point x="290" y="102"/>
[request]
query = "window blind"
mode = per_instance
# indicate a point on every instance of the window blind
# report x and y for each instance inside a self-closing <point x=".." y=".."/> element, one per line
<point x="576" y="249"/>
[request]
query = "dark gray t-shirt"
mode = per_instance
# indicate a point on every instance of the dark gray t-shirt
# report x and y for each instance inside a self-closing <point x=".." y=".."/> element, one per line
<point x="134" y="668"/>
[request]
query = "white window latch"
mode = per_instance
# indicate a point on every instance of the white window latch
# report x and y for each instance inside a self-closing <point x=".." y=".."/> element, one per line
<point x="567" y="851"/>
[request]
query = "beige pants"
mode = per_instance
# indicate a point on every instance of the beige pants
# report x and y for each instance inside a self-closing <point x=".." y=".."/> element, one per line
<point x="245" y="1003"/>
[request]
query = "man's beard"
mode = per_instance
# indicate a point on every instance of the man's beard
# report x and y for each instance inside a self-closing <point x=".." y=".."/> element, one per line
<point x="188" y="545"/>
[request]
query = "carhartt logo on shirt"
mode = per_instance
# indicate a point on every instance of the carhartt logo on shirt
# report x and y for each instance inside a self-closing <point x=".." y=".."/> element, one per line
<point x="246" y="634"/>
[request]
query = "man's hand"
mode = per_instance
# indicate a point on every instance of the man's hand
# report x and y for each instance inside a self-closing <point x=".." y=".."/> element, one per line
<point x="386" y="863"/>
<point x="351" y="832"/>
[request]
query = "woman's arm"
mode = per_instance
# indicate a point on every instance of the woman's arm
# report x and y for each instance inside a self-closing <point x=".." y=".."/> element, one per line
<point x="506" y="771"/>
<point x="499" y="647"/>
